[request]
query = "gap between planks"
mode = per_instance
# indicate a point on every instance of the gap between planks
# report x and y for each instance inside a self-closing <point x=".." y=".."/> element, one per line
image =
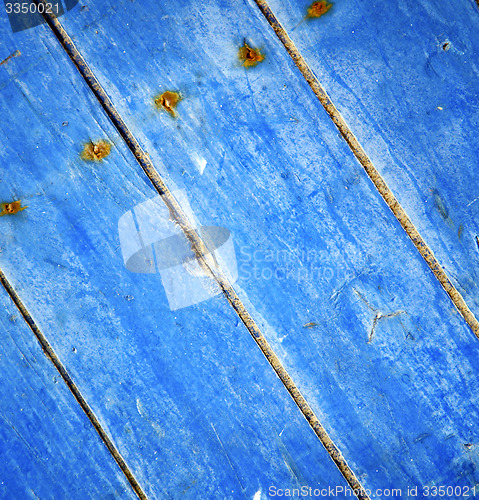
<point x="51" y="355"/>
<point x="370" y="169"/>
<point x="205" y="258"/>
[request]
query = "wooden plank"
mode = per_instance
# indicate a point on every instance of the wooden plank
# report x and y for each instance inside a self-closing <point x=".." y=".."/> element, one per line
<point x="49" y="448"/>
<point x="340" y="292"/>
<point x="186" y="397"/>
<point x="404" y="78"/>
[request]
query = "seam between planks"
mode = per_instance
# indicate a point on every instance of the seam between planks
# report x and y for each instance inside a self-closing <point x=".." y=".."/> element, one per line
<point x="51" y="355"/>
<point x="370" y="169"/>
<point x="205" y="258"/>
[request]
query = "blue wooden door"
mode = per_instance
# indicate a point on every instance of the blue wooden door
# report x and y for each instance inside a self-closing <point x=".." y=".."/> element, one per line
<point x="230" y="304"/>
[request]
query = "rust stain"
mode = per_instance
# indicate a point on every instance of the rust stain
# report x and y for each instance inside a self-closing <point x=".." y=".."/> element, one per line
<point x="168" y="101"/>
<point x="96" y="151"/>
<point x="15" y="54"/>
<point x="11" y="208"/>
<point x="250" y="57"/>
<point x="318" y="9"/>
<point x="311" y="324"/>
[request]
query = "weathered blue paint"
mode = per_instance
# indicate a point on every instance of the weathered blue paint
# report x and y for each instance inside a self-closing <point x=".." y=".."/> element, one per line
<point x="316" y="243"/>
<point x="48" y="449"/>
<point x="405" y="79"/>
<point x="186" y="396"/>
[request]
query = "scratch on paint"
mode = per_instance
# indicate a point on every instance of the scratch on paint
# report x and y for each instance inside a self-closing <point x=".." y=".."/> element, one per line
<point x="378" y="315"/>
<point x="288" y="460"/>
<point x="338" y="291"/>
<point x="474" y="200"/>
<point x="24" y="441"/>
<point x="15" y="54"/>
<point x="376" y="321"/>
<point x="158" y="429"/>
<point x="228" y="458"/>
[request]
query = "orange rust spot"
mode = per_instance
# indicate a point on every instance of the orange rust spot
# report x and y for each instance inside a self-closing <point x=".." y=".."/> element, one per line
<point x="96" y="151"/>
<point x="318" y="9"/>
<point x="168" y="101"/>
<point x="11" y="208"/>
<point x="249" y="56"/>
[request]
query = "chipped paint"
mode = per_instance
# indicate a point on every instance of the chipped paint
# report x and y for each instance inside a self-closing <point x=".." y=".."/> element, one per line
<point x="249" y="56"/>
<point x="96" y="151"/>
<point x="168" y="101"/>
<point x="11" y="208"/>
<point x="318" y="9"/>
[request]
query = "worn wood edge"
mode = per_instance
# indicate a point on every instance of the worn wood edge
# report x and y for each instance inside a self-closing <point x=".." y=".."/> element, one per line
<point x="204" y="256"/>
<point x="55" y="360"/>
<point x="370" y="169"/>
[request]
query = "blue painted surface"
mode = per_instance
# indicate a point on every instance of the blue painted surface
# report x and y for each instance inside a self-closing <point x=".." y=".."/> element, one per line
<point x="404" y="75"/>
<point x="186" y="396"/>
<point x="49" y="449"/>
<point x="316" y="243"/>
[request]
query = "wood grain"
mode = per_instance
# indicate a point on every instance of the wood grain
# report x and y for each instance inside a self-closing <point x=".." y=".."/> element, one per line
<point x="187" y="398"/>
